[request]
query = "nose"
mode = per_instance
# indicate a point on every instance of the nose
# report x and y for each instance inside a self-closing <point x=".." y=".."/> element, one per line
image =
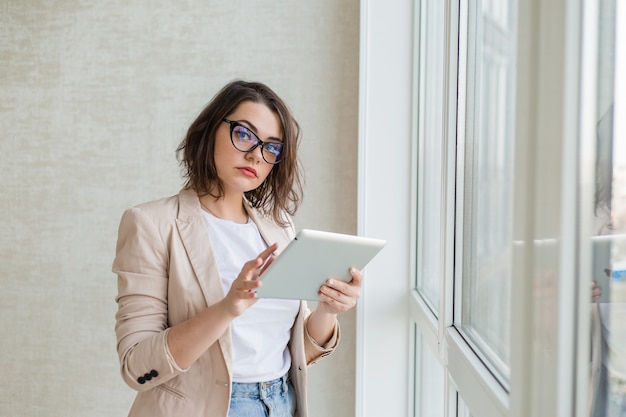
<point x="256" y="154"/>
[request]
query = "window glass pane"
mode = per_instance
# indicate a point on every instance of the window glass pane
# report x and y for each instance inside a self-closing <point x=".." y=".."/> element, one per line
<point x="487" y="182"/>
<point x="430" y="138"/>
<point x="429" y="381"/>
<point x="608" y="311"/>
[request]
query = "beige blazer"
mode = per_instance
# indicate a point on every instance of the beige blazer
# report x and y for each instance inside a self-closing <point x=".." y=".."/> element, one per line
<point x="167" y="274"/>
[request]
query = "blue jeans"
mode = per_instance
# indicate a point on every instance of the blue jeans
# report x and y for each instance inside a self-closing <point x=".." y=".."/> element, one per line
<point x="263" y="399"/>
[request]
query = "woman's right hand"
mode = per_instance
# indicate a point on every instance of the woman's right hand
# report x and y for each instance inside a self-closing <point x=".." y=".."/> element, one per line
<point x="241" y="295"/>
<point x="190" y="339"/>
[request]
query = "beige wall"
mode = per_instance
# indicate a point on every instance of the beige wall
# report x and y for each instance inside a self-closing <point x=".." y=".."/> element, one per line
<point x="93" y="102"/>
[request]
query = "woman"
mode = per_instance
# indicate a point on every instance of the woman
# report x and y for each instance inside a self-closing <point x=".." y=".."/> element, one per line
<point x="193" y="339"/>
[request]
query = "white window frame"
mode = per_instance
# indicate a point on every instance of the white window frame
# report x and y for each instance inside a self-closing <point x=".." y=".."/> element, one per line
<point x="383" y="328"/>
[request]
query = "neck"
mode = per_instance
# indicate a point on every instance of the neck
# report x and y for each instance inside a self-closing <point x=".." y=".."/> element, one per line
<point x="225" y="209"/>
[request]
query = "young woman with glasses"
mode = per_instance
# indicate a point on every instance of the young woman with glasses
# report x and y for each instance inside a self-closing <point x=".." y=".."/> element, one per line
<point x="192" y="337"/>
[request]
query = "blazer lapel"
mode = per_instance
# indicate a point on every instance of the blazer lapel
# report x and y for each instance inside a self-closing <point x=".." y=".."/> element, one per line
<point x="199" y="248"/>
<point x="197" y="242"/>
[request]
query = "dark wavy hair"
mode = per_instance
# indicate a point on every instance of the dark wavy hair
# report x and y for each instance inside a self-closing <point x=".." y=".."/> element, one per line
<point x="281" y="192"/>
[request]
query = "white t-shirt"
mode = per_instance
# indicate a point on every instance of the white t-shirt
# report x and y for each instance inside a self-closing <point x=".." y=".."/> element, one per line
<point x="260" y="335"/>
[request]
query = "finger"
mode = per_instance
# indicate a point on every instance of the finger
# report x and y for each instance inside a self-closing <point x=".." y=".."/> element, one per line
<point x="243" y="288"/>
<point x="267" y="257"/>
<point x="247" y="285"/>
<point x="357" y="276"/>
<point x="349" y="289"/>
<point x="336" y="286"/>
<point x="269" y="261"/>
<point x="250" y="267"/>
<point x="268" y="252"/>
<point x="340" y="291"/>
<point x="338" y="304"/>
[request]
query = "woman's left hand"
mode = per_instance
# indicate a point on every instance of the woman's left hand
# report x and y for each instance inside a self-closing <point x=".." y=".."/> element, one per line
<point x="338" y="296"/>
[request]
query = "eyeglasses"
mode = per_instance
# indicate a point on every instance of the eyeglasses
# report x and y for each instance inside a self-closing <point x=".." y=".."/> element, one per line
<point x="245" y="140"/>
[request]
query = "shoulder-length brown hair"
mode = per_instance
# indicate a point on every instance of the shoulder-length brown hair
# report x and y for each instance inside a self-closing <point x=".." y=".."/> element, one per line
<point x="281" y="191"/>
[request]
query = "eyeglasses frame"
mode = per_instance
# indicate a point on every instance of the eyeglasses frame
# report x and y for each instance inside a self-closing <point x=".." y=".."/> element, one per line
<point x="234" y="123"/>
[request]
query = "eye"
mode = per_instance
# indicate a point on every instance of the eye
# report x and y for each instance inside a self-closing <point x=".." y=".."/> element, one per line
<point x="242" y="134"/>
<point x="274" y="148"/>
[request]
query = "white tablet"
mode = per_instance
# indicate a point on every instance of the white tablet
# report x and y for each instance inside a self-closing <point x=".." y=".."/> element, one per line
<point x="313" y="257"/>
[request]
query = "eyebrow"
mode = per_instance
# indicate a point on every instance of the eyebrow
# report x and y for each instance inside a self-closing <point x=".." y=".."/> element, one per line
<point x="254" y="130"/>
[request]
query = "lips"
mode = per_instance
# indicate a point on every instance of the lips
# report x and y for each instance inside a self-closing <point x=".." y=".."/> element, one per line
<point x="248" y="171"/>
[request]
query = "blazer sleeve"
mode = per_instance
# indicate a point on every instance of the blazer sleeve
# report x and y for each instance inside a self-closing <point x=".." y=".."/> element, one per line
<point x="141" y="264"/>
<point x="312" y="350"/>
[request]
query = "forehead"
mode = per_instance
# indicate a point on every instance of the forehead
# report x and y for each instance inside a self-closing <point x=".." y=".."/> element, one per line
<point x="263" y="120"/>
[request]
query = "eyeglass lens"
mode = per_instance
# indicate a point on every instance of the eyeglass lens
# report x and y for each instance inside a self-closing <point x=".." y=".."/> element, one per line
<point x="245" y="140"/>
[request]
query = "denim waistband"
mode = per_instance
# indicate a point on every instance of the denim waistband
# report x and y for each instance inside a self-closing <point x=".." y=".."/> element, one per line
<point x="260" y="389"/>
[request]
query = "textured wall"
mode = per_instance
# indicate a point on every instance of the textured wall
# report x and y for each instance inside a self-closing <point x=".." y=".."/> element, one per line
<point x="94" y="99"/>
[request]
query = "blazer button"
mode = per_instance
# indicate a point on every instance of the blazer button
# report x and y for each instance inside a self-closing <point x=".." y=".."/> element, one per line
<point x="141" y="380"/>
<point x="154" y="373"/>
<point x="147" y="377"/>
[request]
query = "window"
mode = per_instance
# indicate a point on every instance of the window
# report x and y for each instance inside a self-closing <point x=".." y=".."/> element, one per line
<point x="485" y="180"/>
<point x="429" y="396"/>
<point x="465" y="94"/>
<point x="430" y="123"/>
<point x="494" y="107"/>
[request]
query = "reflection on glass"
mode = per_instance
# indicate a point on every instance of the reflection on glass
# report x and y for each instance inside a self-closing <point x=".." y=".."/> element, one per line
<point x="488" y="181"/>
<point x="608" y="312"/>
<point x="429" y="381"/>
<point x="430" y="137"/>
